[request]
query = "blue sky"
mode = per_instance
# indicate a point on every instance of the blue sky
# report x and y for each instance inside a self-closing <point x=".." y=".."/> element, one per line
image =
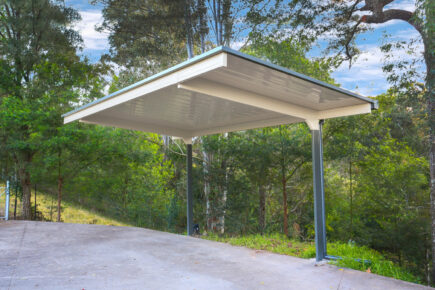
<point x="364" y="77"/>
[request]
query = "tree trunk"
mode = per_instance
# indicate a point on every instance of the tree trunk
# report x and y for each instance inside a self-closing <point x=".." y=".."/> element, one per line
<point x="36" y="207"/>
<point x="351" y="200"/>
<point x="223" y="199"/>
<point x="221" y="219"/>
<point x="203" y="29"/>
<point x="429" y="55"/>
<point x="427" y="268"/>
<point x="16" y="198"/>
<point x="216" y="11"/>
<point x="431" y="88"/>
<point x="59" y="198"/>
<point x="125" y="197"/>
<point x="262" y="209"/>
<point x="208" y="215"/>
<point x="188" y="26"/>
<point x="51" y="208"/>
<point x="227" y="22"/>
<point x="284" y="205"/>
<point x="26" y="187"/>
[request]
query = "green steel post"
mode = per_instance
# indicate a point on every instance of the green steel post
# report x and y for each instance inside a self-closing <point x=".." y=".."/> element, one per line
<point x="189" y="191"/>
<point x="319" y="193"/>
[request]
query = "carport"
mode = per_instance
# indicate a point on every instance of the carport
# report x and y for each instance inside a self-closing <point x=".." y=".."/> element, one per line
<point x="221" y="91"/>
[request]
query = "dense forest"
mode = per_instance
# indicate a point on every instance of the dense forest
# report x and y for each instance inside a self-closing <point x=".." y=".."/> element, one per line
<point x="378" y="167"/>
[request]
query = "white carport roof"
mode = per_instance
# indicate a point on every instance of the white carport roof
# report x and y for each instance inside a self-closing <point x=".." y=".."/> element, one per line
<point x="220" y="91"/>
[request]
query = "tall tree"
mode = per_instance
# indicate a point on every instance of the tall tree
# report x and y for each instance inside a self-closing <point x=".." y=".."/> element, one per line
<point x="150" y="34"/>
<point x="343" y="21"/>
<point x="40" y="67"/>
<point x="255" y="155"/>
<point x="147" y="34"/>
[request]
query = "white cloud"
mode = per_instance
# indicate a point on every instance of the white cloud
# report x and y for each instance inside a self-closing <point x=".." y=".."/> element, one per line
<point x="238" y="44"/>
<point x="383" y="25"/>
<point x="92" y="39"/>
<point x="406" y="34"/>
<point x="366" y="75"/>
<point x="408" y="5"/>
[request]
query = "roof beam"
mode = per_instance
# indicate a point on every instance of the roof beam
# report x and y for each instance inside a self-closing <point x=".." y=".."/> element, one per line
<point x="247" y="126"/>
<point x="345" y="111"/>
<point x="207" y="87"/>
<point x="311" y="117"/>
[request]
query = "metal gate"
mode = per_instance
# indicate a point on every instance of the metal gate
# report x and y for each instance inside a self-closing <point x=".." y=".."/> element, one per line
<point x="4" y="192"/>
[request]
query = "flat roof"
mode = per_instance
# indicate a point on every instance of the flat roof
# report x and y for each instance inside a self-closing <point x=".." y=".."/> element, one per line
<point x="220" y="91"/>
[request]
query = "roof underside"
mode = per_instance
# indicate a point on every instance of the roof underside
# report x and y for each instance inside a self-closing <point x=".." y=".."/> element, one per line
<point x="220" y="91"/>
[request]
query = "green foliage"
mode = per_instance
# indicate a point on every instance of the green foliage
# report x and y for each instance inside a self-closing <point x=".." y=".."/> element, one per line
<point x="124" y="176"/>
<point x="349" y="254"/>
<point x="144" y="34"/>
<point x="386" y="208"/>
<point x="276" y="243"/>
<point x="38" y="49"/>
<point x="291" y="54"/>
<point x="365" y="259"/>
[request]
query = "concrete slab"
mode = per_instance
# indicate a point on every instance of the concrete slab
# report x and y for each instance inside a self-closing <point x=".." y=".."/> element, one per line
<point x="72" y="256"/>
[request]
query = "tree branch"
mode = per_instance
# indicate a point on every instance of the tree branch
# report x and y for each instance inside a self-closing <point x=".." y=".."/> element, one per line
<point x="392" y="14"/>
<point x="348" y="41"/>
<point x="371" y="6"/>
<point x="294" y="170"/>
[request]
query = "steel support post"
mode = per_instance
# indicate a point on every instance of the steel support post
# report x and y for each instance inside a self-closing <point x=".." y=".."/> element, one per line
<point x="319" y="193"/>
<point x="189" y="191"/>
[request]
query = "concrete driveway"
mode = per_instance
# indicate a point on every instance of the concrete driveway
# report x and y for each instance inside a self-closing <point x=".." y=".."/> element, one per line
<point x="39" y="255"/>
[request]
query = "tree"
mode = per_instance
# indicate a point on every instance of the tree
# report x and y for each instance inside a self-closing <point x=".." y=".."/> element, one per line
<point x="387" y="206"/>
<point x="67" y="151"/>
<point x="343" y="21"/>
<point x="41" y="74"/>
<point x="292" y="54"/>
<point x="290" y="142"/>
<point x="346" y="134"/>
<point x="147" y="34"/>
<point x="150" y="35"/>
<point x="255" y="155"/>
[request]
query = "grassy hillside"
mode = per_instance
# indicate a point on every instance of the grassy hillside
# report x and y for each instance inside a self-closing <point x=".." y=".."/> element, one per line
<point x="351" y="255"/>
<point x="46" y="205"/>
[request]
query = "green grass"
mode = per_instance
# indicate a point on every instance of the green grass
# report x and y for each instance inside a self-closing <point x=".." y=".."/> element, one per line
<point x="71" y="213"/>
<point x="274" y="243"/>
<point x="349" y="253"/>
<point x="377" y="263"/>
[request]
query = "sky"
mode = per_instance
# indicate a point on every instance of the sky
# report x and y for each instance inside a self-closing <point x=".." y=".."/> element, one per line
<point x="364" y="77"/>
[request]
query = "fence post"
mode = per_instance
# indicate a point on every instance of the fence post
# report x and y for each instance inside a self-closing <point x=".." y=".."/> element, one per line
<point x="16" y="196"/>
<point x="7" y="201"/>
<point x="35" y="203"/>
